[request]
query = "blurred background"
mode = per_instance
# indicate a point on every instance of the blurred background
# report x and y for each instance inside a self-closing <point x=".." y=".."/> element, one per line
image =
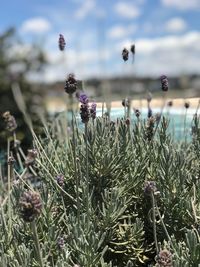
<point x="166" y="34"/>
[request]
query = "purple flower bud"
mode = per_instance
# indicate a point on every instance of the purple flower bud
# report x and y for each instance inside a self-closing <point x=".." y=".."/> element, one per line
<point x="10" y="121"/>
<point x="133" y="49"/>
<point x="61" y="42"/>
<point x="164" y="83"/>
<point x="70" y="84"/>
<point x="11" y="160"/>
<point x="30" y="206"/>
<point x="85" y="113"/>
<point x="84" y="109"/>
<point x="83" y="99"/>
<point x="93" y="110"/>
<point x="61" y="242"/>
<point x="170" y="103"/>
<point x="150" y="187"/>
<point x="125" y="54"/>
<point x="31" y="156"/>
<point x="164" y="258"/>
<point x="187" y="105"/>
<point x="126" y="102"/>
<point x="60" y="179"/>
<point x="127" y="121"/>
<point x="137" y="113"/>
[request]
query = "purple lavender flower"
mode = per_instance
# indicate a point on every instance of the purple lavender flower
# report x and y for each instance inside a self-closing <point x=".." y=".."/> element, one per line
<point x="60" y="179"/>
<point x="31" y="157"/>
<point x="150" y="187"/>
<point x="30" y="206"/>
<point x="133" y="49"/>
<point x="127" y="121"/>
<point x="10" y="121"/>
<point x="170" y="103"/>
<point x="84" y="109"/>
<point x="164" y="258"/>
<point x="187" y="105"/>
<point x="126" y="102"/>
<point x="93" y="110"/>
<point x="137" y="112"/>
<point x="70" y="84"/>
<point x="61" y="42"/>
<point x="61" y="242"/>
<point x="83" y="99"/>
<point x="150" y="128"/>
<point x="11" y="160"/>
<point x="125" y="54"/>
<point x="164" y="83"/>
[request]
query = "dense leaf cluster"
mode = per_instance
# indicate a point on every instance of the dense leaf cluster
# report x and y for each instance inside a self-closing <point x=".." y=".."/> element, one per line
<point x="111" y="224"/>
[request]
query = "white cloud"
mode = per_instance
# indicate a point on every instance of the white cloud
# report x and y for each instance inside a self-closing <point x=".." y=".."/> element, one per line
<point x="36" y="25"/>
<point x="176" y="25"/>
<point x="120" y="31"/>
<point x="127" y="10"/>
<point x="171" y="55"/>
<point x="182" y="4"/>
<point x="85" y="8"/>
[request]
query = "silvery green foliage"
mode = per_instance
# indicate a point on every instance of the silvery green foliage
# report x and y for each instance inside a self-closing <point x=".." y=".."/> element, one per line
<point x="119" y="231"/>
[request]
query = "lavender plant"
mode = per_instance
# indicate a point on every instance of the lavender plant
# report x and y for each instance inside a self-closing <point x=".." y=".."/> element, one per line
<point x="109" y="194"/>
<point x="120" y="229"/>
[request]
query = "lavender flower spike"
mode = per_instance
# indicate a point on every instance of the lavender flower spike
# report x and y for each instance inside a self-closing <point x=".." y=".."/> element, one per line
<point x="84" y="109"/>
<point x="83" y="99"/>
<point x="93" y="110"/>
<point x="164" y="83"/>
<point x="61" y="42"/>
<point x="70" y="84"/>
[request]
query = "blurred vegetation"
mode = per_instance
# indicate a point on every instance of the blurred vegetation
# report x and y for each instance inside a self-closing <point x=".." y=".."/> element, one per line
<point x="16" y="62"/>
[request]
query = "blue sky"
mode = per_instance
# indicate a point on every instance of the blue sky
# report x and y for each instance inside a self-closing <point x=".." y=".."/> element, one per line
<point x="166" y="34"/>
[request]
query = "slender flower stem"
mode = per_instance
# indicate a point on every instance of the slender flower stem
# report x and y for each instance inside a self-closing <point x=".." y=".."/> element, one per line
<point x="9" y="186"/>
<point x="161" y="112"/>
<point x="74" y="158"/>
<point x="165" y="229"/>
<point x="87" y="175"/>
<point x="37" y="244"/>
<point x="17" y="152"/>
<point x="154" y="223"/>
<point x="185" y="130"/>
<point x="125" y="114"/>
<point x="9" y="199"/>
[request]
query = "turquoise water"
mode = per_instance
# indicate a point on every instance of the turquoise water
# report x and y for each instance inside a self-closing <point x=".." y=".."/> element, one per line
<point x="180" y="121"/>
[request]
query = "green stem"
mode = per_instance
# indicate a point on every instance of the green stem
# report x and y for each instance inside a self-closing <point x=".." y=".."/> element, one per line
<point x="17" y="152"/>
<point x="37" y="244"/>
<point x="75" y="164"/>
<point x="165" y="229"/>
<point x="9" y="199"/>
<point x="9" y="187"/>
<point x="87" y="175"/>
<point x="154" y="223"/>
<point x="185" y="130"/>
<point x="161" y="113"/>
